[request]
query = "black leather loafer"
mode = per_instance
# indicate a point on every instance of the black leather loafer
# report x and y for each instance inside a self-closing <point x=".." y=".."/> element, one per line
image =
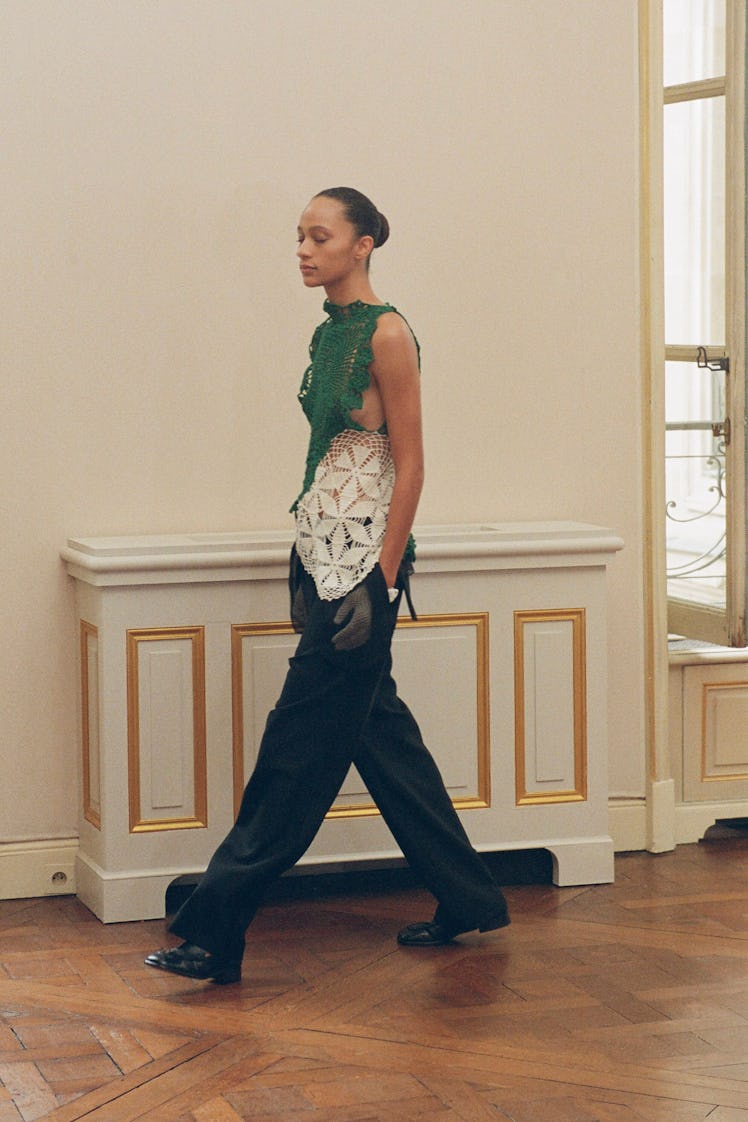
<point x="427" y="934"/>
<point x="433" y="934"/>
<point x="193" y="962"/>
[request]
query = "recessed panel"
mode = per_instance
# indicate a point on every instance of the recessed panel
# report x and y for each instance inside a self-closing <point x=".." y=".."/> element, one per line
<point x="550" y="706"/>
<point x="166" y="729"/>
<point x="715" y="717"/>
<point x="440" y="664"/>
<point x="725" y="744"/>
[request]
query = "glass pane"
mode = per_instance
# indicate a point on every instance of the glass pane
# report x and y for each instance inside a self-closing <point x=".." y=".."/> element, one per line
<point x="695" y="482"/>
<point x="695" y="222"/>
<point x="694" y="40"/>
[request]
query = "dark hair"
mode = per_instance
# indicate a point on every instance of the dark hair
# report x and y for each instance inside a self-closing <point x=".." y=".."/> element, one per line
<point x="361" y="213"/>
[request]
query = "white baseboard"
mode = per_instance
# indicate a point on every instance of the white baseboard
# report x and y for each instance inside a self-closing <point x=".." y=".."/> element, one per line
<point x="42" y="868"/>
<point x="627" y="822"/>
<point x="694" y="819"/>
<point x="48" y="868"/>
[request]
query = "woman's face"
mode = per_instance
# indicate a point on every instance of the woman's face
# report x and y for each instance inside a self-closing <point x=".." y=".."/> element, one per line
<point x="329" y="249"/>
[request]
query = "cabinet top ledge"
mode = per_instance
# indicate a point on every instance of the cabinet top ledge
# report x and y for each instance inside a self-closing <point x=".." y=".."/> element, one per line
<point x="250" y="548"/>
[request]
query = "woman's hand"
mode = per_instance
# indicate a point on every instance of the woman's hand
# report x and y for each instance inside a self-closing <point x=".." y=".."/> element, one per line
<point x="353" y="618"/>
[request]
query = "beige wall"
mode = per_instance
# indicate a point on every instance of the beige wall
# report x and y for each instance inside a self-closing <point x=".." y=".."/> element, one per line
<point x="156" y="154"/>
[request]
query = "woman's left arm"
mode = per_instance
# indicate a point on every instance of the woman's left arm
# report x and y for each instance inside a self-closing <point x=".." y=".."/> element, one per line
<point x="396" y="374"/>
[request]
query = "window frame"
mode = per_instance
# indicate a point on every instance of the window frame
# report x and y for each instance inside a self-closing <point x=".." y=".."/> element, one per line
<point x="716" y="625"/>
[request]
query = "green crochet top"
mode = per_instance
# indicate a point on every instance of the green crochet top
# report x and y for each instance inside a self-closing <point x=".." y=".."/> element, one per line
<point x="336" y="378"/>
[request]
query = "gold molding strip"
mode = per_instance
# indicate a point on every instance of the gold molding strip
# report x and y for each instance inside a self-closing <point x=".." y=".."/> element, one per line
<point x="577" y="618"/>
<point x="91" y="809"/>
<point x="727" y="777"/>
<point x="479" y="620"/>
<point x="196" y="636"/>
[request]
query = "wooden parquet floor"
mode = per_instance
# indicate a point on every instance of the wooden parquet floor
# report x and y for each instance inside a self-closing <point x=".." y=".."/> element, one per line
<point x="615" y="1003"/>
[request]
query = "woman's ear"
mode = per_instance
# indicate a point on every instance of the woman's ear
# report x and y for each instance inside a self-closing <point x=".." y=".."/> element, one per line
<point x="364" y="247"/>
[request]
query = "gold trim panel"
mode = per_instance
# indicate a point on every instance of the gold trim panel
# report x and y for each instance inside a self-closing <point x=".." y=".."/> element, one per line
<point x="196" y="636"/>
<point x="726" y="777"/>
<point x="577" y="618"/>
<point x="91" y="810"/>
<point x="479" y="620"/>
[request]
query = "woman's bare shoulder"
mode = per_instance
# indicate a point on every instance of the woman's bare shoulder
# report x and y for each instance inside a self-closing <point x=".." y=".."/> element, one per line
<point x="392" y="331"/>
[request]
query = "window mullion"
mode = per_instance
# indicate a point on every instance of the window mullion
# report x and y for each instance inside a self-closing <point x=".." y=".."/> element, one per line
<point x="695" y="91"/>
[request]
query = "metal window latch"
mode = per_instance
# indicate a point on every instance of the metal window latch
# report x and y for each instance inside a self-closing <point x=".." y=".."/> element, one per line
<point x="722" y="428"/>
<point x="713" y="364"/>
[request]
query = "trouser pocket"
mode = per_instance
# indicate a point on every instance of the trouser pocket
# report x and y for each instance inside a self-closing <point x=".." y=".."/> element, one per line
<point x="299" y="608"/>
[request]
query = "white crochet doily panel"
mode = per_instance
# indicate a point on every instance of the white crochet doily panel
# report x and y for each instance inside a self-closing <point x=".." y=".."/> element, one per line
<point x="340" y="521"/>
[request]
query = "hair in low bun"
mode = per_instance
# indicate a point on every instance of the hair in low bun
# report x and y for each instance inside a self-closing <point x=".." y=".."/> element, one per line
<point x="384" y="230"/>
<point x="361" y="213"/>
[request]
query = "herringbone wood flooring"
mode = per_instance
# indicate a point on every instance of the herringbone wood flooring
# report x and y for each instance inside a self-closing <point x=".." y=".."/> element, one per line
<point x="615" y="1003"/>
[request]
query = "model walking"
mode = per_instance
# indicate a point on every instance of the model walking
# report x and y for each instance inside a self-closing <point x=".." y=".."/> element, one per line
<point x="349" y="569"/>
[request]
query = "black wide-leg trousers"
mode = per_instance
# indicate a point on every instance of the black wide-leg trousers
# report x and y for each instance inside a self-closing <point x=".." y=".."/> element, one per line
<point x="337" y="707"/>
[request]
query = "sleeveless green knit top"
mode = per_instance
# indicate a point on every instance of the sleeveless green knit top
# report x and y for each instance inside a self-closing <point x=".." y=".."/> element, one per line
<point x="336" y="378"/>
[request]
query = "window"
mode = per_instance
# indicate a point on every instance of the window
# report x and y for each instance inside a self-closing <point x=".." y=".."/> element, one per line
<point x="704" y="316"/>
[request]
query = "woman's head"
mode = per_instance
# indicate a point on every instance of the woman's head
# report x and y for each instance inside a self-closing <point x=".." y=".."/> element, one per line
<point x="337" y="232"/>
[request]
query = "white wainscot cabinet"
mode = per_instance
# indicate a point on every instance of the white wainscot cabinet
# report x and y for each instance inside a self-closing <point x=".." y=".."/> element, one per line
<point x="184" y="642"/>
<point x="708" y="743"/>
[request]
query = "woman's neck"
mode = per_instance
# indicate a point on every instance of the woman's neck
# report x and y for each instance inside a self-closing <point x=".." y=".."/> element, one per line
<point x="349" y="291"/>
